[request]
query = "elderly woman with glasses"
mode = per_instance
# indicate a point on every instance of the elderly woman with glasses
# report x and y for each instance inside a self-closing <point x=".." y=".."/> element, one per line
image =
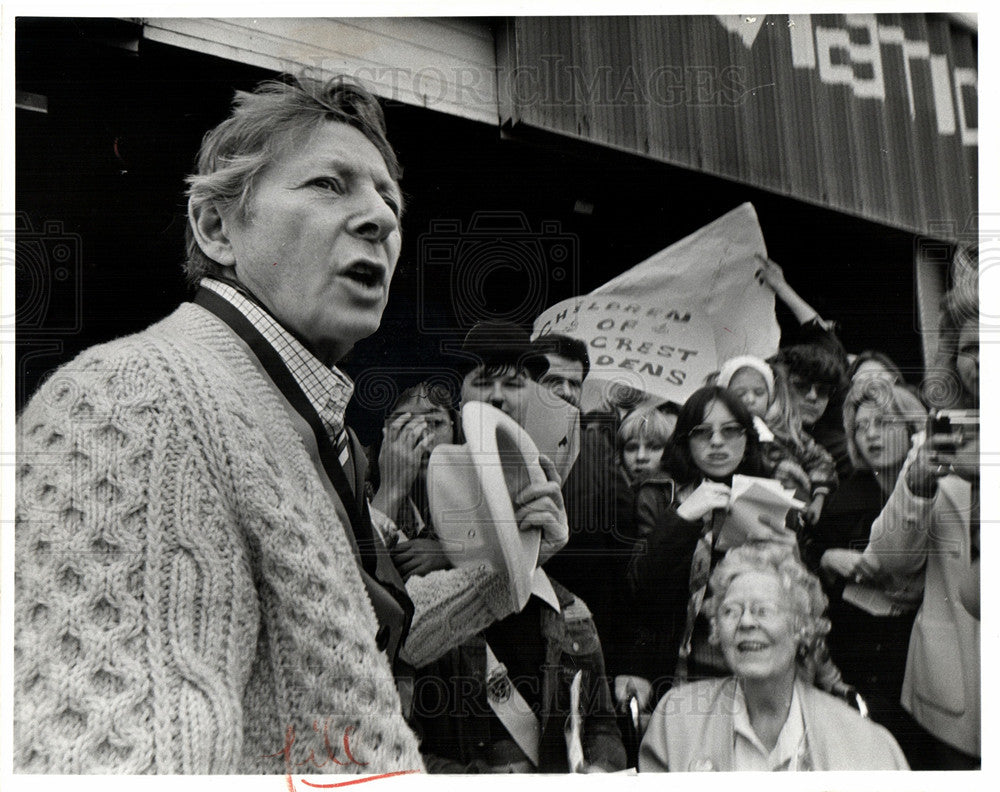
<point x="766" y="618"/>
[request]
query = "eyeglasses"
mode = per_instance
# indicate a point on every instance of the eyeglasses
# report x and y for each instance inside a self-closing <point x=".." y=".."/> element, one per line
<point x="878" y="423"/>
<point x="730" y="432"/>
<point x="732" y="612"/>
<point x="803" y="386"/>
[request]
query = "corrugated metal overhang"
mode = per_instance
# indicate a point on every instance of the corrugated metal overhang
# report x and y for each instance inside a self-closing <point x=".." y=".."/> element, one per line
<point x="874" y="115"/>
<point x="443" y="64"/>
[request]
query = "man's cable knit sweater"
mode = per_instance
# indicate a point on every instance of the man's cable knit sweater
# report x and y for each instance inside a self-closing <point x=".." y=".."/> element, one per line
<point x="186" y="594"/>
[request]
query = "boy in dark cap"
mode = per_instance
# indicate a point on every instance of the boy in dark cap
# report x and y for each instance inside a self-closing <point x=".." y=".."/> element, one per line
<point x="501" y="702"/>
<point x="497" y="363"/>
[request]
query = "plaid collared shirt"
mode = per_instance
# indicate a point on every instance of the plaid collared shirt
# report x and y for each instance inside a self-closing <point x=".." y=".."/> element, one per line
<point x="327" y="388"/>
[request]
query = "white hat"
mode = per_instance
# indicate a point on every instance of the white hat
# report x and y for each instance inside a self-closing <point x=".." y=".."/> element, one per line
<point x="734" y="364"/>
<point x="470" y="490"/>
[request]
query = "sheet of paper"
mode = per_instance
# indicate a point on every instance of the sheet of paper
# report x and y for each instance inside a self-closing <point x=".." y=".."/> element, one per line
<point x="870" y="600"/>
<point x="751" y="499"/>
<point x="554" y="427"/>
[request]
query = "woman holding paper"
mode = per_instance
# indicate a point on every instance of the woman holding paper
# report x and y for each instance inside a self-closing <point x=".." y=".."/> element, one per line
<point x="679" y="514"/>
<point x="871" y="617"/>
<point x="767" y="621"/>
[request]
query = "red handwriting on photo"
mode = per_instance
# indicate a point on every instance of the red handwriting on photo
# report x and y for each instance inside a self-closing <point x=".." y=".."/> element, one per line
<point x="304" y="766"/>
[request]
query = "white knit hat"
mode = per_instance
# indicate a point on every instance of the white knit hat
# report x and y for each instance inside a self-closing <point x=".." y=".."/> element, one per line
<point x="731" y="366"/>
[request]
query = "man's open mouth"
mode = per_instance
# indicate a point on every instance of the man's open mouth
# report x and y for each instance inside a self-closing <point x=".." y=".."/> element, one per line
<point x="365" y="273"/>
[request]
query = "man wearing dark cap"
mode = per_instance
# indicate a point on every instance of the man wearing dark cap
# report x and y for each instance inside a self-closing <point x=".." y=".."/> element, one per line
<point x="498" y="364"/>
<point x="499" y="702"/>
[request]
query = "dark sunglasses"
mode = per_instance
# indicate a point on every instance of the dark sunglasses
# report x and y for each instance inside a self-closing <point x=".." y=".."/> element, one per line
<point x="823" y="390"/>
<point x="703" y="433"/>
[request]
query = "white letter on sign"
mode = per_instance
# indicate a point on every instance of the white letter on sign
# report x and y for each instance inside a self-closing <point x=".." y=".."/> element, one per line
<point x="943" y="108"/>
<point x="801" y="33"/>
<point x="966" y="78"/>
<point x="868" y="54"/>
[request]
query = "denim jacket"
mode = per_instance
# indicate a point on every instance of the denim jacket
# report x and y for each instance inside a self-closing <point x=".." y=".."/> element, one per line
<point x="460" y="733"/>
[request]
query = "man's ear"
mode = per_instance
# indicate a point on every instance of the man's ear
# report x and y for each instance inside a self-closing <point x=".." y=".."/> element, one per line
<point x="209" y="230"/>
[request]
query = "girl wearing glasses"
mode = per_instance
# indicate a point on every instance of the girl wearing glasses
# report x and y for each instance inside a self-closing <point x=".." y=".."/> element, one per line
<point x="678" y="514"/>
<point x="871" y="619"/>
<point x="766" y="620"/>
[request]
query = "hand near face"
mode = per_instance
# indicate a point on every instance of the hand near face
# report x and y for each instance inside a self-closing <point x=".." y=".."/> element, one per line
<point x="540" y="505"/>
<point x="419" y="557"/>
<point x="406" y="441"/>
<point x="709" y="495"/>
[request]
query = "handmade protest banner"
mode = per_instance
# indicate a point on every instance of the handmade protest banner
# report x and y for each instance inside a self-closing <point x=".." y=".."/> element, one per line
<point x="667" y="323"/>
<point x="712" y="271"/>
<point x="663" y="349"/>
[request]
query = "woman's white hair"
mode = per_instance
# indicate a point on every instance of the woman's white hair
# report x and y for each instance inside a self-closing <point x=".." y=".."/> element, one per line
<point x="804" y="595"/>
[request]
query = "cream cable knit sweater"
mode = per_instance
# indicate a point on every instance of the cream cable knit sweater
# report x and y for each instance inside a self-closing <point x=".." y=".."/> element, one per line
<point x="185" y="592"/>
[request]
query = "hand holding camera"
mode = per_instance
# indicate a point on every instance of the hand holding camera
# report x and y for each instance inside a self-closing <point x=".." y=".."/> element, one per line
<point x="951" y="446"/>
<point x="958" y="447"/>
<point x="953" y="437"/>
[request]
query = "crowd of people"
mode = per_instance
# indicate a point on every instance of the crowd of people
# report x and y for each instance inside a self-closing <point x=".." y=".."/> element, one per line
<point x="214" y="576"/>
<point x="859" y="576"/>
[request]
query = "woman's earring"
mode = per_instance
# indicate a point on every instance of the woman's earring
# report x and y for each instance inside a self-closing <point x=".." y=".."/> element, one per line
<point x="713" y="632"/>
<point x="802" y="638"/>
